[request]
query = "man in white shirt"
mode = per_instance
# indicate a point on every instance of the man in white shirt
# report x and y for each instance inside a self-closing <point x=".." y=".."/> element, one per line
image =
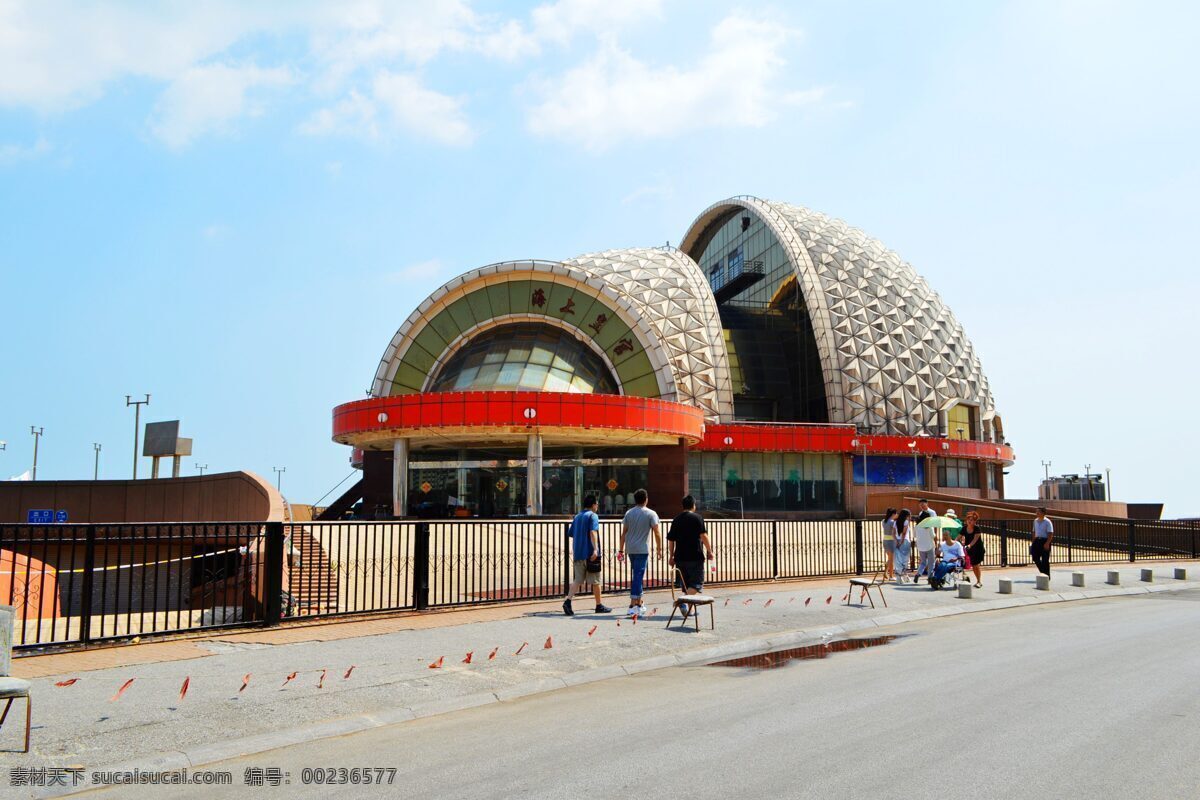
<point x="925" y="552"/>
<point x="1043" y="535"/>
<point x="952" y="555"/>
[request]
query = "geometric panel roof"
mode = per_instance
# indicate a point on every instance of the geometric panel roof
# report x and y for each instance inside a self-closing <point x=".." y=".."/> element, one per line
<point x="892" y="354"/>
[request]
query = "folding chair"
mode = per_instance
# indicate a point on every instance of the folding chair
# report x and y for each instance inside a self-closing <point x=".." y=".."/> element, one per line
<point x="688" y="603"/>
<point x="11" y="688"/>
<point x="865" y="585"/>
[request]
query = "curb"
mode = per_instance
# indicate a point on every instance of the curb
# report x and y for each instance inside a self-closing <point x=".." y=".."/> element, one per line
<point x="204" y="755"/>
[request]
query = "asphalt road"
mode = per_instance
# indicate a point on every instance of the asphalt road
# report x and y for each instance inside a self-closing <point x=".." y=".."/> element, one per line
<point x="1091" y="699"/>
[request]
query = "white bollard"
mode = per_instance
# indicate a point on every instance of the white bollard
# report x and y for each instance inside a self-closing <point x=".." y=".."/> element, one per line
<point x="1148" y="576"/>
<point x="1180" y="574"/>
<point x="964" y="590"/>
<point x="1114" y="578"/>
<point x="1006" y="586"/>
<point x="1043" y="582"/>
<point x="1077" y="579"/>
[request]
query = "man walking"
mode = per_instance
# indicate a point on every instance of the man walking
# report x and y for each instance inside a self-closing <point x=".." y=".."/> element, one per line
<point x="639" y="523"/>
<point x="689" y="548"/>
<point x="924" y="512"/>
<point x="1043" y="535"/>
<point x="925" y="553"/>
<point x="585" y="554"/>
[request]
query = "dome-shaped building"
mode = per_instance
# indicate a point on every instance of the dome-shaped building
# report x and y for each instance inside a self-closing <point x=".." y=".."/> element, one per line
<point x="779" y="362"/>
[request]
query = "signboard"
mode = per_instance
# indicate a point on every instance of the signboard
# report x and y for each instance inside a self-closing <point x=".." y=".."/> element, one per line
<point x="612" y="484"/>
<point x="40" y="516"/>
<point x="501" y="485"/>
<point x="162" y="439"/>
<point x="426" y="487"/>
<point x="60" y="516"/>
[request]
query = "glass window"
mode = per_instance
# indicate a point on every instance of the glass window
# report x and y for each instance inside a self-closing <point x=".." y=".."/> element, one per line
<point x="958" y="473"/>
<point x="514" y="357"/>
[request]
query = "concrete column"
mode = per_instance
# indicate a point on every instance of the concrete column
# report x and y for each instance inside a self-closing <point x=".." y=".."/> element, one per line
<point x="578" y="506"/>
<point x="1077" y="578"/>
<point x="1148" y="576"/>
<point x="982" y="468"/>
<point x="667" y="477"/>
<point x="999" y="482"/>
<point x="931" y="484"/>
<point x="175" y="467"/>
<point x="400" y="478"/>
<point x="1006" y="585"/>
<point x="533" y="476"/>
<point x="1114" y="578"/>
<point x="848" y="491"/>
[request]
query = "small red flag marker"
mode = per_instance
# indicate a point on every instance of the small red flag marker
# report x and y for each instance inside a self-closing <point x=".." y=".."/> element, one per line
<point x="522" y="647"/>
<point x="245" y="682"/>
<point x="549" y="643"/>
<point x="289" y="679"/>
<point x="593" y="630"/>
<point x="653" y="611"/>
<point x="321" y="682"/>
<point x="492" y="654"/>
<point x="121" y="691"/>
<point x="347" y="675"/>
<point x="769" y="601"/>
<point x="807" y="600"/>
<point x="829" y="600"/>
<point x="183" y="689"/>
<point x="437" y="664"/>
<point x="67" y="683"/>
<point x="726" y="601"/>
<point x="845" y="597"/>
<point x="470" y="655"/>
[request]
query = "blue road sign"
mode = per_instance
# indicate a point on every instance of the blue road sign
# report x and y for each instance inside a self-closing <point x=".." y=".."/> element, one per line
<point x="40" y="516"/>
<point x="60" y="515"/>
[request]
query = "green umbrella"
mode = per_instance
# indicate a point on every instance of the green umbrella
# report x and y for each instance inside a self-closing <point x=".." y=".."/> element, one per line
<point x="945" y="523"/>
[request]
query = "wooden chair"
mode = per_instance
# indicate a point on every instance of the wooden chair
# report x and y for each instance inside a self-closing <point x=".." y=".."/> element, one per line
<point x="865" y="585"/>
<point x="11" y="688"/>
<point x="689" y="604"/>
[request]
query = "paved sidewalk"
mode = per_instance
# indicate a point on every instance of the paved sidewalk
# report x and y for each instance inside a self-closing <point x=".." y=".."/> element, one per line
<point x="391" y="681"/>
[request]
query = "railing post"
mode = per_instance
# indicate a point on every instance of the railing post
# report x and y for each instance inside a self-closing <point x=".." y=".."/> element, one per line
<point x="273" y="574"/>
<point x="1070" y="541"/>
<point x="774" y="550"/>
<point x="1192" y="526"/>
<point x="85" y="593"/>
<point x="858" y="547"/>
<point x="1004" y="543"/>
<point x="421" y="566"/>
<point x="1132" y="541"/>
<point x="566" y="558"/>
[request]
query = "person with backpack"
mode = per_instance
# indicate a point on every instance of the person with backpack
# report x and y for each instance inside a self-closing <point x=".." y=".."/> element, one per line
<point x="585" y="554"/>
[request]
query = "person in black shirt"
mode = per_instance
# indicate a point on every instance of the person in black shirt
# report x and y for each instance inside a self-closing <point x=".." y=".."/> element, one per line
<point x="689" y="547"/>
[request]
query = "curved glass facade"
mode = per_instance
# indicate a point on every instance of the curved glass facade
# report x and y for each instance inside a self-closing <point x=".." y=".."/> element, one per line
<point x="773" y="360"/>
<point x="525" y="356"/>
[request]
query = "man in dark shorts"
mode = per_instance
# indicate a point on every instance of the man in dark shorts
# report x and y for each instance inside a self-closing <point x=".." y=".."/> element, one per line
<point x="689" y="547"/>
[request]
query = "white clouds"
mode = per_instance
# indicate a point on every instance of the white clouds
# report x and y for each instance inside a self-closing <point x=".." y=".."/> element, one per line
<point x="613" y="96"/>
<point x="368" y="68"/>
<point x="14" y="153"/>
<point x="397" y="102"/>
<point x="422" y="270"/>
<point x="209" y="98"/>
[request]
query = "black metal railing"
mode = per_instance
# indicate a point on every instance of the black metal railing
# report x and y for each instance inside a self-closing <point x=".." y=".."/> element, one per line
<point x="81" y="584"/>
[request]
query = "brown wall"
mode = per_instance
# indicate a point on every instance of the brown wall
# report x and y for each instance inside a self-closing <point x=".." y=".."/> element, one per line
<point x="668" y="478"/>
<point x="222" y="497"/>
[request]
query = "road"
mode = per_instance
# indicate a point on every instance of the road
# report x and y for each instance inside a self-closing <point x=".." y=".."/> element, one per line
<point x="1089" y="699"/>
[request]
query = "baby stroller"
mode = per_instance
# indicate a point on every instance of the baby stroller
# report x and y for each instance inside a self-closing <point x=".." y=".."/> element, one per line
<point x="947" y="574"/>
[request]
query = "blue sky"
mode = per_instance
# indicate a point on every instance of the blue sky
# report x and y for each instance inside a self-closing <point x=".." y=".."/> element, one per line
<point x="233" y="206"/>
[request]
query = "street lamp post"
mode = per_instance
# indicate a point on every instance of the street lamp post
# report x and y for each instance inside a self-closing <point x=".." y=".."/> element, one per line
<point x="1107" y="482"/>
<point x="279" y="478"/>
<point x="37" y="435"/>
<point x="201" y="467"/>
<point x="137" y="421"/>
<point x="1087" y="476"/>
<point x="96" y="469"/>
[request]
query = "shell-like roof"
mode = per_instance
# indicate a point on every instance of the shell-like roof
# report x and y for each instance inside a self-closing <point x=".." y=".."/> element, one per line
<point x="660" y="293"/>
<point x="672" y="295"/>
<point x="892" y="353"/>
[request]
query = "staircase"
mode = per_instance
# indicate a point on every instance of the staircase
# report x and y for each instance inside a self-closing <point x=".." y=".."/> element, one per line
<point x="314" y="583"/>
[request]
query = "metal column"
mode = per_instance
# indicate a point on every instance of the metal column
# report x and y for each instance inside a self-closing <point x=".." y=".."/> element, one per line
<point x="533" y="477"/>
<point x="400" y="478"/>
